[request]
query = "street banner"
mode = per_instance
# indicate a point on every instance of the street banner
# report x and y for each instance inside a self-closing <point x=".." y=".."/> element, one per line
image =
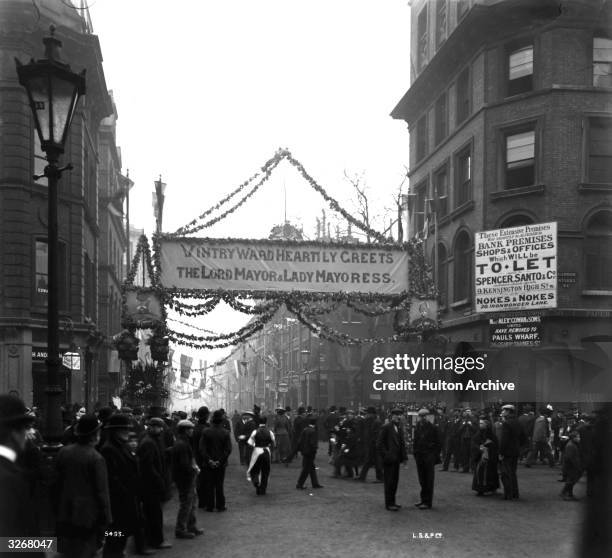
<point x="244" y="265"/>
<point x="516" y="268"/>
<point x="515" y="331"/>
<point x="186" y="362"/>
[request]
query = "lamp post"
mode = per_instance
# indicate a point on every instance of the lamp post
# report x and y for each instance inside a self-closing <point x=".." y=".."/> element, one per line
<point x="53" y="92"/>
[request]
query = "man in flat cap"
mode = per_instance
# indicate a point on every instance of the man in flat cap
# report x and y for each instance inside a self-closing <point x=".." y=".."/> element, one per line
<point x="16" y="518"/>
<point x="391" y="448"/>
<point x="511" y="440"/>
<point x="426" y="450"/>
<point x="184" y="473"/>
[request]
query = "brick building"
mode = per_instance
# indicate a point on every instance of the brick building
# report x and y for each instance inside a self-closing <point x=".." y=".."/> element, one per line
<point x="90" y="213"/>
<point x="509" y="113"/>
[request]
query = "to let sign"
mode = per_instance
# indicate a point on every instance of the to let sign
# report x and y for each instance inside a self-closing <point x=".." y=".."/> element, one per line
<point x="516" y="268"/>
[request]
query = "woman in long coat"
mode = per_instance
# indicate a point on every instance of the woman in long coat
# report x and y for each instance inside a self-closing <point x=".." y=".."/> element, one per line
<point x="282" y="433"/>
<point x="485" y="456"/>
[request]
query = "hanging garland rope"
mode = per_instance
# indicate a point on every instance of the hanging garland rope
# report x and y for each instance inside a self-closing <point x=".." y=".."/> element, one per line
<point x="194" y="309"/>
<point x="267" y="169"/>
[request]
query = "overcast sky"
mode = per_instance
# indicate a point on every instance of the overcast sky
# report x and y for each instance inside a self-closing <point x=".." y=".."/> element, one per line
<point x="207" y="91"/>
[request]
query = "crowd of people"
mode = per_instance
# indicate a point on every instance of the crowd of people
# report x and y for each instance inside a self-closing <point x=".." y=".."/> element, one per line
<point x="117" y="467"/>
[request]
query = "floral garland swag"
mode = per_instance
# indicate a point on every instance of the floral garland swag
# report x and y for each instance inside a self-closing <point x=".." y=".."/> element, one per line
<point x="262" y="305"/>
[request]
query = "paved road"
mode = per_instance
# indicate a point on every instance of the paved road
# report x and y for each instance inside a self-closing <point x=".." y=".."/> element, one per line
<point x="347" y="518"/>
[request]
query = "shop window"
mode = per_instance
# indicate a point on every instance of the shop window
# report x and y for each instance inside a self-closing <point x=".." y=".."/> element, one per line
<point x="598" y="252"/>
<point x="602" y="62"/>
<point x="520" y="70"/>
<point x="520" y="161"/>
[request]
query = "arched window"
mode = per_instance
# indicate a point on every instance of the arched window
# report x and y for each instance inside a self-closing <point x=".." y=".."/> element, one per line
<point x="462" y="269"/>
<point x="598" y="252"/>
<point x="441" y="273"/>
<point x="516" y="221"/>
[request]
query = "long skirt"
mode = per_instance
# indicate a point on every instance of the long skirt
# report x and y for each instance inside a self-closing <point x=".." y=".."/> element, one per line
<point x="486" y="478"/>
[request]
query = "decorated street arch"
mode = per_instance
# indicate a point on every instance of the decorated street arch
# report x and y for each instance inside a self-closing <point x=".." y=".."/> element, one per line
<point x="190" y="275"/>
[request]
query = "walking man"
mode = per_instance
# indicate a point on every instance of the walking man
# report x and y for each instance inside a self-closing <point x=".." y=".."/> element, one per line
<point x="391" y="448"/>
<point x="426" y="451"/>
<point x="510" y="443"/>
<point x="262" y="442"/>
<point x="307" y="445"/>
<point x="371" y="429"/>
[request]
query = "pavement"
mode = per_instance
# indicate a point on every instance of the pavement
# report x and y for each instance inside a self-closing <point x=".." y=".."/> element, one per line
<point x="348" y="519"/>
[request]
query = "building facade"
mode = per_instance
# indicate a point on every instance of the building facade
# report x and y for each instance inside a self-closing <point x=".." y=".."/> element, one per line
<point x="91" y="238"/>
<point x="510" y="119"/>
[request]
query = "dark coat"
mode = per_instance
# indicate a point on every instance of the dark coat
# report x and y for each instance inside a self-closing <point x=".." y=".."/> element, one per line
<point x="195" y="439"/>
<point x="123" y="484"/>
<point x="16" y="518"/>
<point x="308" y="443"/>
<point x="391" y="445"/>
<point x="426" y="439"/>
<point x="572" y="462"/>
<point x="152" y="464"/>
<point x="82" y="489"/>
<point x="371" y="429"/>
<point x="215" y="445"/>
<point x="512" y="438"/>
<point x="182" y="463"/>
<point x="299" y="423"/>
<point x="244" y="429"/>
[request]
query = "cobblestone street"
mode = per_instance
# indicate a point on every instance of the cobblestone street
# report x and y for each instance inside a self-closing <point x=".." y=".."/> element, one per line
<point x="347" y="518"/>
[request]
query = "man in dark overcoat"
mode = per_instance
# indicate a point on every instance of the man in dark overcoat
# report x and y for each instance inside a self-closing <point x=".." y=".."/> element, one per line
<point x="426" y="450"/>
<point x="307" y="445"/>
<point x="16" y="518"/>
<point x="123" y="483"/>
<point x="391" y="448"/>
<point x="511" y="441"/>
<point x="371" y="429"/>
<point x="242" y="433"/>
<point x="201" y="424"/>
<point x="152" y="463"/>
<point x="214" y="450"/>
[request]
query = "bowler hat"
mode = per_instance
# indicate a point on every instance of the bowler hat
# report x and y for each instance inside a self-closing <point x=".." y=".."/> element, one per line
<point x="156" y="421"/>
<point x="250" y="413"/>
<point x="423" y="412"/>
<point x="203" y="412"/>
<point x="87" y="425"/>
<point x="118" y="422"/>
<point x="280" y="410"/>
<point x="13" y="412"/>
<point x="217" y="417"/>
<point x="184" y="423"/>
<point x="397" y="411"/>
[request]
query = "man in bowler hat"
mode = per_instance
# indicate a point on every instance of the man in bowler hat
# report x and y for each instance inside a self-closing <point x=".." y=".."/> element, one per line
<point x="426" y="449"/>
<point x="391" y="448"/>
<point x="214" y="450"/>
<point x="15" y="505"/>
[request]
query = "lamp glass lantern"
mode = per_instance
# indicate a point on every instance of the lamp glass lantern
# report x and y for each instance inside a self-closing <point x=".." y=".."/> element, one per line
<point x="53" y="92"/>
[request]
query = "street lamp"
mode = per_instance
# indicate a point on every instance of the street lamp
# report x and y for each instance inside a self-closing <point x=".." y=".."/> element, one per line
<point x="53" y="92"/>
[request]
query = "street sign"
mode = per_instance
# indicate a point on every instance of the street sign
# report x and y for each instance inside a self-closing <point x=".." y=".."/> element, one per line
<point x="72" y="361"/>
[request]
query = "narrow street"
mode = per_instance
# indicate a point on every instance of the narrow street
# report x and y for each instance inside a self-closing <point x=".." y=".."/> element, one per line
<point x="347" y="518"/>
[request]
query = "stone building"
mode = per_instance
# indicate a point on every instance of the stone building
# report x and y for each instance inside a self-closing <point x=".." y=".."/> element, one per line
<point x="509" y="114"/>
<point x="90" y="233"/>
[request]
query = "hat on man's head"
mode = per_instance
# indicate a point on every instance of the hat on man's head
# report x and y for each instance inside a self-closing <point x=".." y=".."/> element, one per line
<point x="332" y="408"/>
<point x="423" y="412"/>
<point x="203" y="412"/>
<point x="371" y="410"/>
<point x="88" y="425"/>
<point x="156" y="421"/>
<point x="13" y="412"/>
<point x="508" y="407"/>
<point x="263" y="420"/>
<point x="312" y="420"/>
<point x="217" y="417"/>
<point x="397" y="411"/>
<point x="301" y="410"/>
<point x="249" y="413"/>
<point x="118" y="422"/>
<point x="280" y="410"/>
<point x="184" y="424"/>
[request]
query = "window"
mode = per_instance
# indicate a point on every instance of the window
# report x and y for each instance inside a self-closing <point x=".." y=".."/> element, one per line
<point x="442" y="274"/>
<point x="463" y="177"/>
<point x="40" y="161"/>
<point x="419" y="207"/>
<point x="440" y="22"/>
<point x="41" y="274"/>
<point x="516" y="221"/>
<point x="441" y="120"/>
<point x="599" y="150"/>
<point x="422" y="39"/>
<point x="602" y="62"/>
<point x="89" y="279"/>
<point x="520" y="70"/>
<point x="462" y="274"/>
<point x="462" y="96"/>
<point x="520" y="159"/>
<point x="440" y="180"/>
<point x="462" y="8"/>
<point x="421" y="138"/>
<point x="598" y="252"/>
